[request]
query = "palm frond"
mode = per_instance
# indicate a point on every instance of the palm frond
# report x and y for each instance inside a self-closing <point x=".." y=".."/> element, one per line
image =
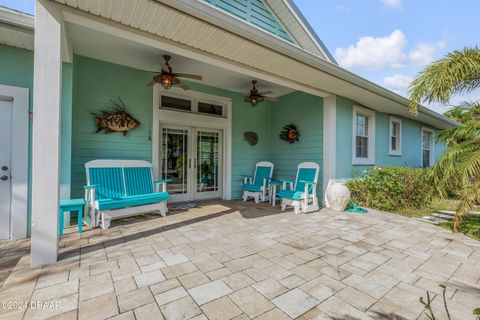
<point x="457" y="72"/>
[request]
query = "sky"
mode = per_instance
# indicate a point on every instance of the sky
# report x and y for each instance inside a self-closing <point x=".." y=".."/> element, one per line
<point x="385" y="41"/>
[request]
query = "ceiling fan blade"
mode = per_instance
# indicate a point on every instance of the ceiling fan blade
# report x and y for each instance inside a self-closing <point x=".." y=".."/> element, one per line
<point x="266" y="92"/>
<point x="189" y="76"/>
<point x="271" y="99"/>
<point x="151" y="83"/>
<point x="183" y="85"/>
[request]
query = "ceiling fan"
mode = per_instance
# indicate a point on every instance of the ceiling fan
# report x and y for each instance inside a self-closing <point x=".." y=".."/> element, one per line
<point x="256" y="97"/>
<point x="167" y="78"/>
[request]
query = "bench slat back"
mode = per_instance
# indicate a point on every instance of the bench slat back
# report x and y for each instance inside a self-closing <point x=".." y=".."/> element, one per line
<point x="138" y="181"/>
<point x="109" y="181"/>
<point x="120" y="178"/>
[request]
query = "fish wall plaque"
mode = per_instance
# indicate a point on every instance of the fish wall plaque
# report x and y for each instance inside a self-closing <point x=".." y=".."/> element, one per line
<point x="115" y="120"/>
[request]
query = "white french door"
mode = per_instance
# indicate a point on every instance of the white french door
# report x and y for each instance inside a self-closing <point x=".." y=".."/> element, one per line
<point x="192" y="158"/>
<point x="5" y="158"/>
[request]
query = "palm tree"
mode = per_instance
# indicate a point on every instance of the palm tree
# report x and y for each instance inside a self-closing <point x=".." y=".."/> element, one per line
<point x="459" y="166"/>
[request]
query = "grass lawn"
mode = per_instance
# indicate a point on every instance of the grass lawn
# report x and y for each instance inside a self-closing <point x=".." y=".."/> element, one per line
<point x="470" y="225"/>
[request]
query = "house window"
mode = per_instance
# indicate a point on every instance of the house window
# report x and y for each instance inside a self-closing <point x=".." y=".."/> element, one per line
<point x="209" y="108"/>
<point x="363" y="136"/>
<point x="176" y="103"/>
<point x="427" y="147"/>
<point x="395" y="136"/>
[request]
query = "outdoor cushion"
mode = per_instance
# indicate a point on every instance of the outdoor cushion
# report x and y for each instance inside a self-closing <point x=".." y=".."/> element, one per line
<point x="289" y="194"/>
<point x="130" y="201"/>
<point x="252" y="187"/>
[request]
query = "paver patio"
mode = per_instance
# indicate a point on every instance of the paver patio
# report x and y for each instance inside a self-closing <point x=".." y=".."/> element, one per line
<point x="234" y="260"/>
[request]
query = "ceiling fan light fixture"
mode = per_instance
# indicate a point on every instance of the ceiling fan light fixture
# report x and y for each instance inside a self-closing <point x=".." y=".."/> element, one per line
<point x="254" y="99"/>
<point x="166" y="80"/>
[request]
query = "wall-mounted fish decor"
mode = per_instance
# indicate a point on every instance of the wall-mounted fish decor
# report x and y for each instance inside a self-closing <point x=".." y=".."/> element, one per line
<point x="115" y="120"/>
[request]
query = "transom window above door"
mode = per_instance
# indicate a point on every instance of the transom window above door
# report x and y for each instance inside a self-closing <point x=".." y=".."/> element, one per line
<point x="363" y="152"/>
<point x="193" y="105"/>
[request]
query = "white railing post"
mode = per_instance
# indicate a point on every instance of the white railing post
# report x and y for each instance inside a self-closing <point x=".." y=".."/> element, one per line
<point x="46" y="134"/>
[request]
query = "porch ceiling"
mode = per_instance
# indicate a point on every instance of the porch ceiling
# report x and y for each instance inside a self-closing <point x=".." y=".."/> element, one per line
<point x="99" y="45"/>
<point x="192" y="25"/>
<point x="16" y="29"/>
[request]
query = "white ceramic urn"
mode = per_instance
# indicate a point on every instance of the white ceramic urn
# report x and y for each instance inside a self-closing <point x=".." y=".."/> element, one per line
<point x="338" y="196"/>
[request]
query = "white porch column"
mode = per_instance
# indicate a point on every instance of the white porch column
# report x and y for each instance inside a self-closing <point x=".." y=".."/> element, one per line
<point x="46" y="133"/>
<point x="329" y="140"/>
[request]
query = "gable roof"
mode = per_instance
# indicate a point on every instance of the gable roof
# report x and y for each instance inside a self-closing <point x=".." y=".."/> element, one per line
<point x="296" y="24"/>
<point x="16" y="28"/>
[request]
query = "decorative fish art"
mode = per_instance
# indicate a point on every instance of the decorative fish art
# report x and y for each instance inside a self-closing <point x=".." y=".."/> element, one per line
<point x="116" y="120"/>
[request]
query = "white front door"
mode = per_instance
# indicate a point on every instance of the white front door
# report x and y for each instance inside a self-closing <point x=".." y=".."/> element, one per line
<point x="192" y="159"/>
<point x="5" y="156"/>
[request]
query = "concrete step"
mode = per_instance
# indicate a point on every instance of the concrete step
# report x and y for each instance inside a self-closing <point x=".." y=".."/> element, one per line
<point x="426" y="220"/>
<point x="435" y="219"/>
<point x="452" y="213"/>
<point x="442" y="215"/>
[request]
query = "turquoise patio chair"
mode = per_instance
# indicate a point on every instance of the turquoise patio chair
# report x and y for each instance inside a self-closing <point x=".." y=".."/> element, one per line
<point x="257" y="186"/>
<point x="302" y="194"/>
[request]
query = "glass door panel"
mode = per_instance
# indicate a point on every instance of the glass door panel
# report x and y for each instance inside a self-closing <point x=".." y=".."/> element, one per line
<point x="208" y="162"/>
<point x="175" y="161"/>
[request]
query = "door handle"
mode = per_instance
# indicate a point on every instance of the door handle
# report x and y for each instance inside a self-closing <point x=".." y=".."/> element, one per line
<point x="4" y="168"/>
<point x="4" y="178"/>
<point x="190" y="163"/>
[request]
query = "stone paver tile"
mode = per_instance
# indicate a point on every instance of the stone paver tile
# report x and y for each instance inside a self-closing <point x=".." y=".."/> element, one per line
<point x="338" y="309"/>
<point x="171" y="295"/>
<point x="70" y="315"/>
<point x="441" y="266"/>
<point x="274" y="314"/>
<point x="55" y="291"/>
<point x="174" y="259"/>
<point x="148" y="312"/>
<point x="363" y="264"/>
<point x="153" y="266"/>
<point x="51" y="279"/>
<point x="65" y="304"/>
<point x="179" y="270"/>
<point x="317" y="289"/>
<point x="251" y="302"/>
<point x="95" y="286"/>
<point x="367" y="286"/>
<point x="193" y="279"/>
<point x="149" y="278"/>
<point x="164" y="286"/>
<point x="356" y="298"/>
<point x="292" y="282"/>
<point x="103" y="267"/>
<point x="295" y="302"/>
<point x="238" y="281"/>
<point x="184" y="308"/>
<point x="200" y="317"/>
<point x="124" y="285"/>
<point x="99" y="308"/>
<point x="209" y="291"/>
<point x="218" y="274"/>
<point x="400" y="303"/>
<point x="315" y="314"/>
<point x="221" y="309"/>
<point x="124" y="316"/>
<point x="269" y="288"/>
<point x="134" y="299"/>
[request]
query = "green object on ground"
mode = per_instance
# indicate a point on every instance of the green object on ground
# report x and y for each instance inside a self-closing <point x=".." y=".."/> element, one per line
<point x="352" y="207"/>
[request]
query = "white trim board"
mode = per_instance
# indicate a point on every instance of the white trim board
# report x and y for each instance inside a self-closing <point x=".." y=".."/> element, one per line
<point x="371" y="136"/>
<point x="192" y="119"/>
<point x="19" y="98"/>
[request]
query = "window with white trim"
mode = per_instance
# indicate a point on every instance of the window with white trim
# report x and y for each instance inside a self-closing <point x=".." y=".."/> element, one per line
<point x="427" y="147"/>
<point x="395" y="138"/>
<point x="363" y="136"/>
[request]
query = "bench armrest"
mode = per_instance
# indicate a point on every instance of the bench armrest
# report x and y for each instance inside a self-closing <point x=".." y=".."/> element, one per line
<point x="162" y="182"/>
<point x="92" y="186"/>
<point x="285" y="182"/>
<point x="307" y="182"/>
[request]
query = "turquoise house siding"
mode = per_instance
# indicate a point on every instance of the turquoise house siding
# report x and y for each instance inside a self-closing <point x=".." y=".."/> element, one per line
<point x="255" y="12"/>
<point x="305" y="111"/>
<point x="411" y="141"/>
<point x="16" y="67"/>
<point x="97" y="82"/>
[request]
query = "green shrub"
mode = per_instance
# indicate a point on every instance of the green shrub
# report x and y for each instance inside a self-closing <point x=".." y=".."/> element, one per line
<point x="392" y="188"/>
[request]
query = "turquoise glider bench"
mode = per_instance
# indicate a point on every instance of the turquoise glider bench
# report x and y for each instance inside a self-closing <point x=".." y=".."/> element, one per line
<point x="120" y="188"/>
